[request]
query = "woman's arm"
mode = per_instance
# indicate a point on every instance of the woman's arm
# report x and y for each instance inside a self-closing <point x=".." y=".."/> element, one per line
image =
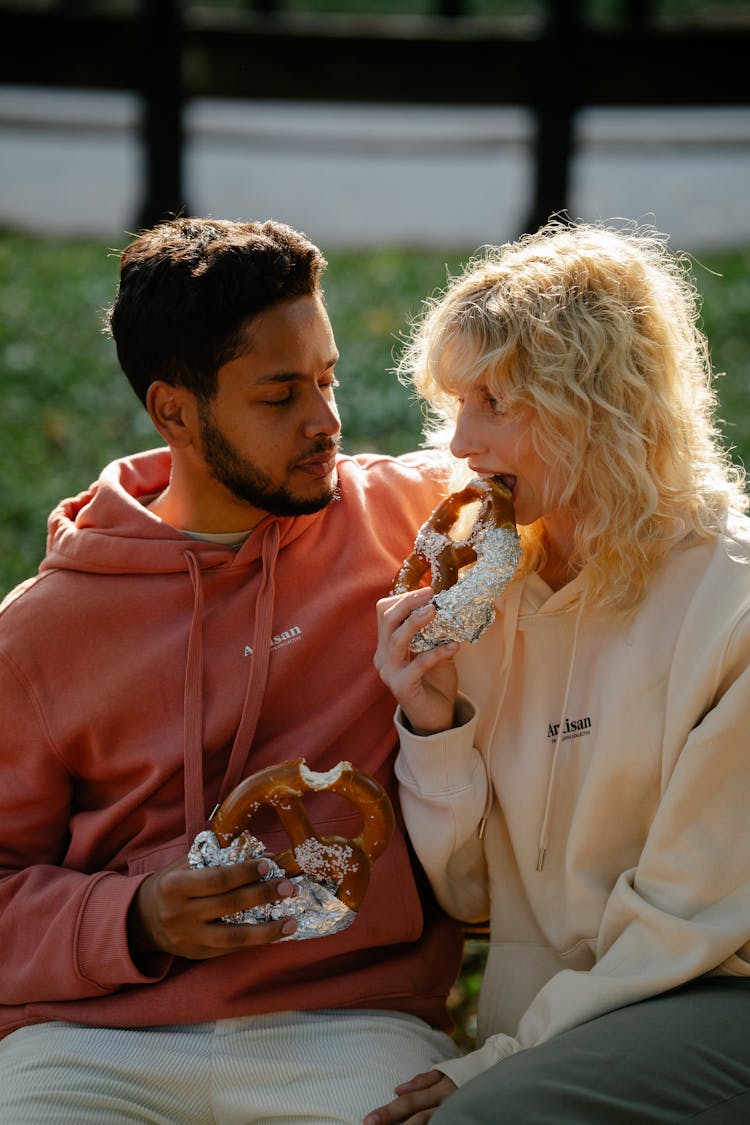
<point x="443" y="790"/>
<point x="443" y="779"/>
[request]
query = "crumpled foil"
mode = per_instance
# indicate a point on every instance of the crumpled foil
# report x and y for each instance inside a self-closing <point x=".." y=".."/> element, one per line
<point x="466" y="610"/>
<point x="316" y="908"/>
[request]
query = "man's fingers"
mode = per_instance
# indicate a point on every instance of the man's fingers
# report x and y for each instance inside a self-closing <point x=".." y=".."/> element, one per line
<point x="244" y="897"/>
<point x="182" y="881"/>
<point x="226" y="937"/>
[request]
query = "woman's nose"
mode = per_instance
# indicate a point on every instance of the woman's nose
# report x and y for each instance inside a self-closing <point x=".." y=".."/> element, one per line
<point x="462" y="443"/>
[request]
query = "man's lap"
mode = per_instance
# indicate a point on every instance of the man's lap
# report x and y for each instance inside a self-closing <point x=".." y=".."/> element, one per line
<point x="321" y="1068"/>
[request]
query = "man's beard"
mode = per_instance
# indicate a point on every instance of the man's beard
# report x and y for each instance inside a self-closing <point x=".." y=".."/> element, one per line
<point x="248" y="482"/>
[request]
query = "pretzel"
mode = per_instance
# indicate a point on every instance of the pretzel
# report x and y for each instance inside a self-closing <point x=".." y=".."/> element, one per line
<point x="488" y="556"/>
<point x="337" y="861"/>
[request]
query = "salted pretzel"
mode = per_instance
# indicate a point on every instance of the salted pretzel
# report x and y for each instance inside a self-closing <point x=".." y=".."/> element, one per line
<point x="434" y="550"/>
<point x="338" y="861"/>
<point x="488" y="557"/>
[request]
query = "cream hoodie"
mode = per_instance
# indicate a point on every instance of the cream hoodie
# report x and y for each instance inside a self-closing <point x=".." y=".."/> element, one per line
<point x="618" y="751"/>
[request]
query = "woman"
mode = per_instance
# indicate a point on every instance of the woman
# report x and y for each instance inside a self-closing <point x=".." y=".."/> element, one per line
<point x="588" y="788"/>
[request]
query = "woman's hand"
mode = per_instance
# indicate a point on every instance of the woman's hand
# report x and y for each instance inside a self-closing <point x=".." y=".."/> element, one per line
<point x="425" y="684"/>
<point x="416" y="1102"/>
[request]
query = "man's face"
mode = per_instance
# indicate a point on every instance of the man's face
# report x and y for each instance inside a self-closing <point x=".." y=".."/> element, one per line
<point x="270" y="434"/>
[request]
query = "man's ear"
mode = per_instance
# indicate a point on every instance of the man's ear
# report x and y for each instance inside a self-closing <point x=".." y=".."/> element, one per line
<point x="173" y="412"/>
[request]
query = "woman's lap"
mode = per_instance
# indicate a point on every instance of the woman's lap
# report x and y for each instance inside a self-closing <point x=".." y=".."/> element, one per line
<point x="683" y="1056"/>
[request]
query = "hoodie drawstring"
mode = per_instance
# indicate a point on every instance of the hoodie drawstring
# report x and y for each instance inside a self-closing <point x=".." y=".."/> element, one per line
<point x="193" y="708"/>
<point x="544" y="831"/>
<point x="256" y="684"/>
<point x="195" y="814"/>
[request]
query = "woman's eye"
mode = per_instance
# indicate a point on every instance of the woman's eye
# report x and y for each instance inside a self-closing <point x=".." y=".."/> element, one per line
<point x="494" y="404"/>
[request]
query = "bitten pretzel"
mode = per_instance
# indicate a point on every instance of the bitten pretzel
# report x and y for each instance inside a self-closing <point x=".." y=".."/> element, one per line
<point x="464" y="602"/>
<point x="337" y="861"/>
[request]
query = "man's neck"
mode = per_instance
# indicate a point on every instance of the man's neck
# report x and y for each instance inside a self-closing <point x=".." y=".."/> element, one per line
<point x="204" y="519"/>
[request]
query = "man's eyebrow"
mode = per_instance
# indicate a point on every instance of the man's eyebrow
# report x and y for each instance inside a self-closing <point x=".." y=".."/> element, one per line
<point x="277" y="377"/>
<point x="291" y="376"/>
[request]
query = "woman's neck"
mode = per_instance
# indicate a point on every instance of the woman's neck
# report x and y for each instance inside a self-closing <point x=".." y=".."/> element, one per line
<point x="559" y="535"/>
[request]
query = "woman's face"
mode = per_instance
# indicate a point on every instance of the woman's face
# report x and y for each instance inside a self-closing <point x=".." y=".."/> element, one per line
<point x="498" y="443"/>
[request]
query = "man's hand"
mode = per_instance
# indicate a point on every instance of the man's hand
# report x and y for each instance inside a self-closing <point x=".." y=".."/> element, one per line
<point x="177" y="910"/>
<point x="416" y="1102"/>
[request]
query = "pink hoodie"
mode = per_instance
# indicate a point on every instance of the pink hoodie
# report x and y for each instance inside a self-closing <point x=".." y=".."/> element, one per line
<point x="142" y="675"/>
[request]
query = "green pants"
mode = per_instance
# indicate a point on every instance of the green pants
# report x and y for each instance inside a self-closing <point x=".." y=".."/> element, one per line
<point x="680" y="1057"/>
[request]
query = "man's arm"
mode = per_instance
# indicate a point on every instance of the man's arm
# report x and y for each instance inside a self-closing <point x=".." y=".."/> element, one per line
<point x="71" y="934"/>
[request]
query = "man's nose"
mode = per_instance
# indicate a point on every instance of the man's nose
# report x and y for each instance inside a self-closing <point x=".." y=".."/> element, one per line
<point x="323" y="418"/>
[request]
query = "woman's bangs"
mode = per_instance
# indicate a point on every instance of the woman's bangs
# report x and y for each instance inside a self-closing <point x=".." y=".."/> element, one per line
<point x="455" y="366"/>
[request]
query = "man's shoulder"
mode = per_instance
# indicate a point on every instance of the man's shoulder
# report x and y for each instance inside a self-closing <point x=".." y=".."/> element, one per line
<point x="421" y="471"/>
<point x="34" y="617"/>
<point x="12" y="597"/>
<point x="385" y="500"/>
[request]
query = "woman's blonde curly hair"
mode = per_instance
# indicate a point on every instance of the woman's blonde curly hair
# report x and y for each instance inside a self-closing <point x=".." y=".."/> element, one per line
<point x="595" y="330"/>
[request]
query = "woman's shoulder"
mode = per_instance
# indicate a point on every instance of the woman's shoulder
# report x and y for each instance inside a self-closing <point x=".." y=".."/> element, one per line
<point x="708" y="583"/>
<point x="735" y="536"/>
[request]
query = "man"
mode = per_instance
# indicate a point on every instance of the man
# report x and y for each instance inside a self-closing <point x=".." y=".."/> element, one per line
<point x="203" y="611"/>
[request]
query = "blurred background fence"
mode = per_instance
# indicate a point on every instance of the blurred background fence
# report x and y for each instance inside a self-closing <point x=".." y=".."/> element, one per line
<point x="554" y="59"/>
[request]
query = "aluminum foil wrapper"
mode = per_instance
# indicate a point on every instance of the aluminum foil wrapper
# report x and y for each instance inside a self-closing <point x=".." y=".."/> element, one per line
<point x="466" y="610"/>
<point x="317" y="910"/>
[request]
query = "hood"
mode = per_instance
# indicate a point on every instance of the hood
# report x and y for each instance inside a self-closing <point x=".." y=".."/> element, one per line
<point x="107" y="529"/>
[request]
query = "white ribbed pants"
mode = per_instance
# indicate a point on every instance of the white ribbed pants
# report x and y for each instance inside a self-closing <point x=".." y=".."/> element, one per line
<point x="290" y="1068"/>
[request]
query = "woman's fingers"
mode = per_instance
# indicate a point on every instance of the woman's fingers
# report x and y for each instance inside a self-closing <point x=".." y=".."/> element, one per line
<point x="399" y="620"/>
<point x="416" y="1102"/>
<point x="394" y="611"/>
<point x="423" y="684"/>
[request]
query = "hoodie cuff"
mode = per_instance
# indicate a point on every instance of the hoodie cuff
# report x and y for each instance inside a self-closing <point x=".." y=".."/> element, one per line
<point x="463" y="1069"/>
<point x="102" y="950"/>
<point x="440" y="762"/>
